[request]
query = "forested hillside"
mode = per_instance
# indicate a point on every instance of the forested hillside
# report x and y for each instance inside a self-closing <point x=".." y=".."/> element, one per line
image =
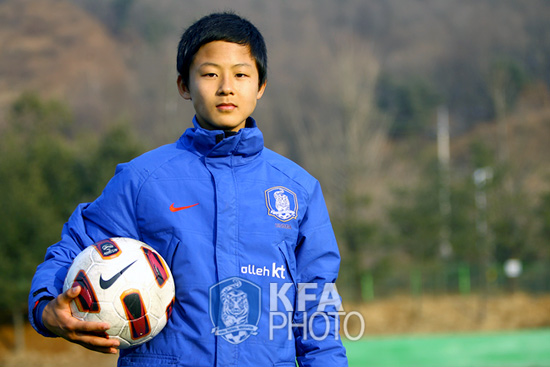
<point x="353" y="95"/>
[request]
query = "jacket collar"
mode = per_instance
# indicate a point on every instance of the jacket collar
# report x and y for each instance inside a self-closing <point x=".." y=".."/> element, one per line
<point x="247" y="141"/>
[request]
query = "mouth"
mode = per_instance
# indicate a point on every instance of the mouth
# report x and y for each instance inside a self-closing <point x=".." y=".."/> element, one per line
<point x="226" y="106"/>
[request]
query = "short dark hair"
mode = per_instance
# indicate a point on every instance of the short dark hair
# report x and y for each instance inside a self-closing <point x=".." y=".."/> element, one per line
<point x="228" y="27"/>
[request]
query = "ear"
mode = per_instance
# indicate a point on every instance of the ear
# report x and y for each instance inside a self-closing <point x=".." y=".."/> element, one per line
<point x="182" y="88"/>
<point x="261" y="90"/>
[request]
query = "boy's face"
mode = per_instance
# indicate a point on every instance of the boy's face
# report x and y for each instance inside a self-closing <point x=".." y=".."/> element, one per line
<point x="223" y="85"/>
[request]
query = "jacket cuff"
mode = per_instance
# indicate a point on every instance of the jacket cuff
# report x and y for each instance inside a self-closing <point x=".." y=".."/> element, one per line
<point x="37" y="311"/>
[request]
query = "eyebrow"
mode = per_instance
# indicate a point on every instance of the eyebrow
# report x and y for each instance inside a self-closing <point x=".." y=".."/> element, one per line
<point x="217" y="65"/>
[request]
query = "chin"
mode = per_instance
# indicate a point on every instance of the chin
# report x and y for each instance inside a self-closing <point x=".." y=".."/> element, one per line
<point x="222" y="124"/>
<point x="228" y="126"/>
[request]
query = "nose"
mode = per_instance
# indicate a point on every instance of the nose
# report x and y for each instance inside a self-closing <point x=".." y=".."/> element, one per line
<point x="226" y="86"/>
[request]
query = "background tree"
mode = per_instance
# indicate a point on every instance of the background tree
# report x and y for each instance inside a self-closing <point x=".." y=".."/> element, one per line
<point x="410" y="105"/>
<point x="45" y="171"/>
<point x="342" y="145"/>
<point x="37" y="183"/>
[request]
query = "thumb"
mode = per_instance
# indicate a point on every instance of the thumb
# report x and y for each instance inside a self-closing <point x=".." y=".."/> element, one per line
<point x="73" y="292"/>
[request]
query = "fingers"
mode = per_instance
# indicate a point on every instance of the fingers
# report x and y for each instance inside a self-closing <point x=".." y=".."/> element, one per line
<point x="91" y="335"/>
<point x="90" y="327"/>
<point x="79" y="330"/>
<point x="101" y="349"/>
<point x="100" y="344"/>
<point x="58" y="319"/>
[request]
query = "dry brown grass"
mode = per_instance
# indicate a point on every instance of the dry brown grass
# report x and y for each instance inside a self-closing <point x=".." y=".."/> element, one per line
<point x="396" y="315"/>
<point x="48" y="352"/>
<point x="454" y="313"/>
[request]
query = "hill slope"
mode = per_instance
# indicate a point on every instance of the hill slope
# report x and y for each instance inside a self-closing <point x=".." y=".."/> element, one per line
<point x="56" y="49"/>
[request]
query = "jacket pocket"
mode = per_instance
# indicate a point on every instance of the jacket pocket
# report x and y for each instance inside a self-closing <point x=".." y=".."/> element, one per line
<point x="290" y="262"/>
<point x="285" y="364"/>
<point x="142" y="360"/>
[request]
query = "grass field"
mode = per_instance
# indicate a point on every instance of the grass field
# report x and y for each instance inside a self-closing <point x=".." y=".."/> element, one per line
<point x="443" y="331"/>
<point x="529" y="348"/>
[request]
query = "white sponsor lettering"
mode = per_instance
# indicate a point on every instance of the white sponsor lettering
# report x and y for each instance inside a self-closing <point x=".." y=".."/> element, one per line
<point x="263" y="271"/>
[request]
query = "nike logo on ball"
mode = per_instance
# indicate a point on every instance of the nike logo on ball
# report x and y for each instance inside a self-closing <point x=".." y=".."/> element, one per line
<point x="174" y="209"/>
<point x="104" y="284"/>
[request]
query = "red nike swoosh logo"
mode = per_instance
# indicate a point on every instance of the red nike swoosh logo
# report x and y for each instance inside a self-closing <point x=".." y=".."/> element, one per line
<point x="174" y="209"/>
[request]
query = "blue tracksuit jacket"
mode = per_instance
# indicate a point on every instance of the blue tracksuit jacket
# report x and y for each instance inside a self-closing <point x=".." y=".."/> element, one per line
<point x="242" y="228"/>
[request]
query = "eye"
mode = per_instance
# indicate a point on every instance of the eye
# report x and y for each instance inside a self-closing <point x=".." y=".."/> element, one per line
<point x="209" y="75"/>
<point x="241" y="75"/>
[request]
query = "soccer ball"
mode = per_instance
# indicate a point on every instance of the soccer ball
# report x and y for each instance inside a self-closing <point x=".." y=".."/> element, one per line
<point x="123" y="282"/>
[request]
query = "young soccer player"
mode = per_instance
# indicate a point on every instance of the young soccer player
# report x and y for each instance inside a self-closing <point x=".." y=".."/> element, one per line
<point x="245" y="231"/>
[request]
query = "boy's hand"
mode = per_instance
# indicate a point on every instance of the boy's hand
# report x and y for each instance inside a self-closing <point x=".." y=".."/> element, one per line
<point x="58" y="319"/>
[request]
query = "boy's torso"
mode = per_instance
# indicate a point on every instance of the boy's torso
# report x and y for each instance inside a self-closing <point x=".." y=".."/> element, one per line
<point x="218" y="224"/>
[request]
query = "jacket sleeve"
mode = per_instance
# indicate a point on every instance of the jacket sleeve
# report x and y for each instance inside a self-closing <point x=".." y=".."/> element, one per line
<point x="111" y="215"/>
<point x="317" y="263"/>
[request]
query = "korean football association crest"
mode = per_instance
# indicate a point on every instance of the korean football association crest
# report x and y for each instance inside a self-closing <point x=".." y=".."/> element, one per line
<point x="235" y="309"/>
<point x="281" y="203"/>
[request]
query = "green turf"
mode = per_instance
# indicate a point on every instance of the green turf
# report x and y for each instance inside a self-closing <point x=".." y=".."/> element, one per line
<point x="506" y="349"/>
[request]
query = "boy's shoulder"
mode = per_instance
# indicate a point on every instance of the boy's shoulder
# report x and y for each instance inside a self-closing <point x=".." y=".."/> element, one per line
<point x="157" y="156"/>
<point x="289" y="168"/>
<point x="147" y="163"/>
